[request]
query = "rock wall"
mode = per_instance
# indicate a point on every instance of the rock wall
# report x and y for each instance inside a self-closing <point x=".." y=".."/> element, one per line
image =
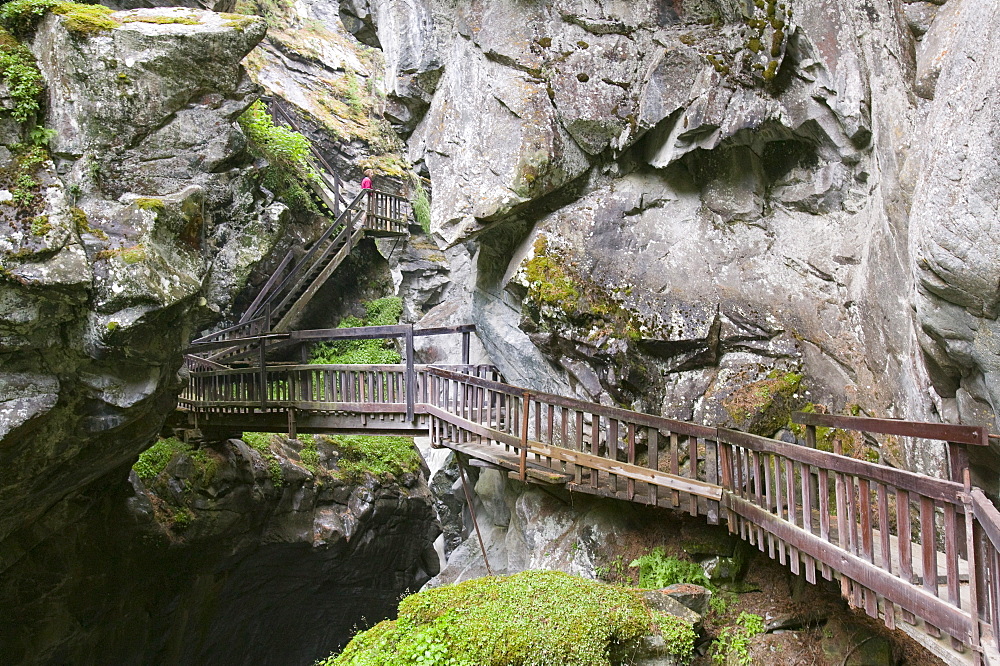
<point x="657" y="204"/>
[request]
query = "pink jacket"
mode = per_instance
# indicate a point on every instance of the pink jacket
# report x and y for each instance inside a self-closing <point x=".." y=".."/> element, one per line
<point x="366" y="183"/>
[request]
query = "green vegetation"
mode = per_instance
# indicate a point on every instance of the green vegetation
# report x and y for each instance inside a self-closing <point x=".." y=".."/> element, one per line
<point x="381" y="456"/>
<point x="309" y="454"/>
<point x="287" y="153"/>
<point x="380" y="312"/>
<point x="20" y="177"/>
<point x="764" y="407"/>
<point x="153" y="460"/>
<point x="40" y="225"/>
<point x="676" y="633"/>
<point x="22" y="16"/>
<point x="556" y="288"/>
<point x="422" y="208"/>
<point x="544" y="618"/>
<point x="186" y="20"/>
<point x="261" y="443"/>
<point x="656" y="570"/>
<point x="732" y="647"/>
<point x="20" y="73"/>
<point x="155" y="205"/>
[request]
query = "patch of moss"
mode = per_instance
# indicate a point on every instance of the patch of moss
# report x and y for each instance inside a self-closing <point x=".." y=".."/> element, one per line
<point x="384" y="457"/>
<point x="261" y="443"/>
<point x="82" y="223"/>
<point x="829" y="439"/>
<point x="185" y="20"/>
<point x="154" y="460"/>
<point x="556" y="288"/>
<point x="238" y="22"/>
<point x="544" y="618"/>
<point x="155" y="205"/>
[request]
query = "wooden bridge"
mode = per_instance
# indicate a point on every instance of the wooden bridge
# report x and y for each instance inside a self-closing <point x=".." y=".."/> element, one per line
<point x="921" y="553"/>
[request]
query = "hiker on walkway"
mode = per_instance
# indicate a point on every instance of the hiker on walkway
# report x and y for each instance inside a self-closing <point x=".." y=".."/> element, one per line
<point x="366" y="182"/>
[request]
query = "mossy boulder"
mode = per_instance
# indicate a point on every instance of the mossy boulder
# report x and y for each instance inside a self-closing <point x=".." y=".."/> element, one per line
<point x="763" y="407"/>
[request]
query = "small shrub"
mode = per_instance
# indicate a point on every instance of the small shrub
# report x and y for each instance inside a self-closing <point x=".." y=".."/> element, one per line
<point x="422" y="209"/>
<point x="543" y="618"/>
<point x="656" y="570"/>
<point x="678" y="634"/>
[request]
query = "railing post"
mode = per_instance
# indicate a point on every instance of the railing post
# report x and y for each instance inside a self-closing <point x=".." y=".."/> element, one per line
<point x="525" y="406"/>
<point x="336" y="195"/>
<point x="263" y="374"/>
<point x="411" y="377"/>
<point x="465" y="347"/>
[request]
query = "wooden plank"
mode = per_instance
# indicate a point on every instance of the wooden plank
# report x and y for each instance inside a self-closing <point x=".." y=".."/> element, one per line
<point x="653" y="460"/>
<point x="947" y="617"/>
<point x="942" y="431"/>
<point x="693" y="472"/>
<point x="496" y="456"/>
<point x="675" y="464"/>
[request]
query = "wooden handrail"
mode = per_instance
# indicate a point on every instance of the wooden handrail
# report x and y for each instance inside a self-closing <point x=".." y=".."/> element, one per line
<point x="962" y="434"/>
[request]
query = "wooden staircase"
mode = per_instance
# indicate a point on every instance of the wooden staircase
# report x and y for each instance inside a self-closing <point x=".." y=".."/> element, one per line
<point x="298" y="276"/>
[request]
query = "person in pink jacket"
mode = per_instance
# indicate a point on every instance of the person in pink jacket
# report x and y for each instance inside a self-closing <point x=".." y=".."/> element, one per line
<point x="366" y="182"/>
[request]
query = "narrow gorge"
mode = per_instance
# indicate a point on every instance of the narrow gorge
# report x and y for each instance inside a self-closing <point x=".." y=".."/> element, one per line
<point x="715" y="211"/>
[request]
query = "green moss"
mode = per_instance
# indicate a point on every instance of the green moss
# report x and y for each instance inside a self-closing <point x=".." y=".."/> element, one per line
<point x="155" y="205"/>
<point x="153" y="460"/>
<point x="828" y="439"/>
<point x="379" y="312"/>
<point x="185" y="20"/>
<point x="86" y="20"/>
<point x="40" y="225"/>
<point x="238" y="22"/>
<point x="82" y="224"/>
<point x="133" y="255"/>
<point x="384" y="457"/>
<point x="763" y="407"/>
<point x="555" y="288"/>
<point x="309" y="454"/>
<point x="261" y="443"/>
<point x="544" y="618"/>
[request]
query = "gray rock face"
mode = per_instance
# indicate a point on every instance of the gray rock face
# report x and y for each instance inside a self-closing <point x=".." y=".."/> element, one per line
<point x="656" y="205"/>
<point x="954" y="218"/>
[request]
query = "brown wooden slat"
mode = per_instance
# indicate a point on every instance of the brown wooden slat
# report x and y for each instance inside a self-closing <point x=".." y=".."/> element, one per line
<point x="943" y="431"/>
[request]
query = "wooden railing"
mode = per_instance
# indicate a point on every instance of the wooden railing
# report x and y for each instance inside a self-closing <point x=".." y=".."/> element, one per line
<point x="916" y="551"/>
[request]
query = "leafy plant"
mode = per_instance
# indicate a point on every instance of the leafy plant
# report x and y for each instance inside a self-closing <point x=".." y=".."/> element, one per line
<point x="422" y="209"/>
<point x="287" y="153"/>
<point x="732" y="647"/>
<point x="657" y="570"/>
<point x="678" y="634"/>
<point x="261" y="443"/>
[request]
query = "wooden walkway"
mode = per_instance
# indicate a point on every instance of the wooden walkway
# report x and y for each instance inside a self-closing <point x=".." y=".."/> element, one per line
<point x="921" y="553"/>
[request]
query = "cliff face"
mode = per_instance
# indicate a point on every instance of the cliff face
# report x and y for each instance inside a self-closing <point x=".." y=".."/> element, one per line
<point x="146" y="220"/>
<point x="660" y="203"/>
